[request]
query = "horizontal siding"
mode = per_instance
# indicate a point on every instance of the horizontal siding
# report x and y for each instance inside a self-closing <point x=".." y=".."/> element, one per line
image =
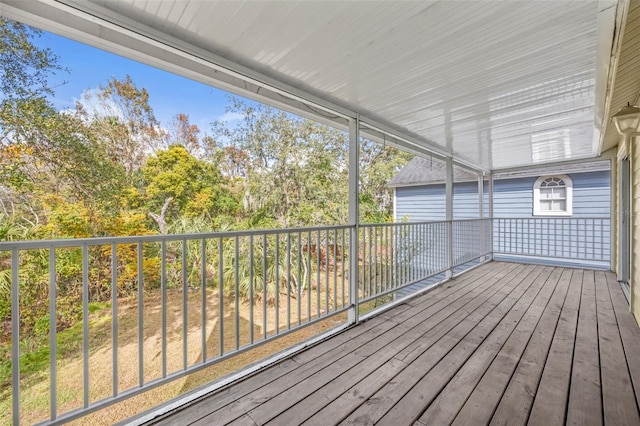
<point x="420" y="203"/>
<point x="591" y="194"/>
<point x="466" y="202"/>
<point x="512" y="198"/>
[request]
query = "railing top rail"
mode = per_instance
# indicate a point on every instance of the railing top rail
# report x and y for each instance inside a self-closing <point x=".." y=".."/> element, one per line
<point x="422" y="222"/>
<point x="100" y="241"/>
<point x="554" y="218"/>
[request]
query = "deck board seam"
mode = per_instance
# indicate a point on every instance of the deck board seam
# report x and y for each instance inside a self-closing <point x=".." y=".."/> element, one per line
<point x="367" y="327"/>
<point x="474" y="293"/>
<point x="416" y="356"/>
<point x="549" y="309"/>
<point x="482" y="297"/>
<point x="474" y="346"/>
<point x="342" y="355"/>
<point x="546" y="357"/>
<point x="549" y="286"/>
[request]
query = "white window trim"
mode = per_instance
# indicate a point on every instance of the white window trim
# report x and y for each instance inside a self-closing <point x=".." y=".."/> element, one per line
<point x="569" y="198"/>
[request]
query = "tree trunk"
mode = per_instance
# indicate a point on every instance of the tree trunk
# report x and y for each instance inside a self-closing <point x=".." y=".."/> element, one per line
<point x="161" y="219"/>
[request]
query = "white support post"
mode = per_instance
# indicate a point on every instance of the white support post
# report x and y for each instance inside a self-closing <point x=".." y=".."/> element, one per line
<point x="449" y="215"/>
<point x="483" y="230"/>
<point x="490" y="184"/>
<point x="354" y="217"/>
<point x="481" y="196"/>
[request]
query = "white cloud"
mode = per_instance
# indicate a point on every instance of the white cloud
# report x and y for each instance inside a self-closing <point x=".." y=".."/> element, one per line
<point x="229" y="117"/>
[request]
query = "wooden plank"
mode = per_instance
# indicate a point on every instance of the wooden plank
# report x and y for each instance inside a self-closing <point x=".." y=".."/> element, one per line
<point x="430" y="329"/>
<point x="245" y="420"/>
<point x="377" y="405"/>
<point x="618" y="396"/>
<point x="318" y="356"/>
<point x="585" y="395"/>
<point x="411" y="405"/>
<point x="499" y="281"/>
<point x="479" y="407"/>
<point x="629" y="331"/>
<point x="375" y="367"/>
<point x="502" y="321"/>
<point x="253" y="400"/>
<point x="446" y="405"/>
<point x="340" y="407"/>
<point x="550" y="400"/>
<point x="618" y="399"/>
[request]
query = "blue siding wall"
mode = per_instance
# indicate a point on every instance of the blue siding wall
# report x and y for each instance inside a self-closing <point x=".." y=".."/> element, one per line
<point x="512" y="198"/>
<point x="421" y="203"/>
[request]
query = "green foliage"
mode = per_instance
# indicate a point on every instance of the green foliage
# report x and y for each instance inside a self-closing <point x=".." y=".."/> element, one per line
<point x="292" y="169"/>
<point x="24" y="68"/>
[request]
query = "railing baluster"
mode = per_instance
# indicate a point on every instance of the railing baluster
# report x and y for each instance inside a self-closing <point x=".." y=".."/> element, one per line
<point x="184" y="304"/>
<point x="251" y="285"/>
<point x="114" y="319"/>
<point x="318" y="272"/>
<point x="85" y="323"/>
<point x="376" y="282"/>
<point x="309" y="276"/>
<point x="53" y="328"/>
<point x="220" y="296"/>
<point x="299" y="289"/>
<point x="395" y="256"/>
<point x="288" y="281"/>
<point x="335" y="269"/>
<point x="163" y="308"/>
<point x="15" y="337"/>
<point x="277" y="261"/>
<point x="264" y="286"/>
<point x="237" y="290"/>
<point x="342" y="266"/>
<point x="140" y="316"/>
<point x="363" y="275"/>
<point x="371" y="279"/>
<point x="326" y="270"/>
<point x="203" y="285"/>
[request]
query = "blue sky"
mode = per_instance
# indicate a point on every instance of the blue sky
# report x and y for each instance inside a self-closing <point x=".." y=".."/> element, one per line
<point x="169" y="94"/>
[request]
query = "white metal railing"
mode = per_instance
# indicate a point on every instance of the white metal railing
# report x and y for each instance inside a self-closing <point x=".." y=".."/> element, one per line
<point x="248" y="288"/>
<point x="582" y="239"/>
<point x="266" y="283"/>
<point x="400" y="255"/>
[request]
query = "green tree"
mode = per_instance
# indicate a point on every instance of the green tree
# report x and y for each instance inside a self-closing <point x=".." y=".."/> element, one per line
<point x="178" y="184"/>
<point x="292" y="171"/>
<point x="24" y="68"/>
<point x="42" y="151"/>
<point x="378" y="164"/>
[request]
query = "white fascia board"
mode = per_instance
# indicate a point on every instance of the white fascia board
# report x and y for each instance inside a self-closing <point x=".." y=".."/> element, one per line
<point x="611" y="21"/>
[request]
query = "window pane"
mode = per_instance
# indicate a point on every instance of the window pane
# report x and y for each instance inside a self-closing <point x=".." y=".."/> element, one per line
<point x="559" y="193"/>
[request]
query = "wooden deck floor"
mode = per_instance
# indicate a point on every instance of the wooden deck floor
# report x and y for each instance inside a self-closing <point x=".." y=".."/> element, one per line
<point x="503" y="344"/>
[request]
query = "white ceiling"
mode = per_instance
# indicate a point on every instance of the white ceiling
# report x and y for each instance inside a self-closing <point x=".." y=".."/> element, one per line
<point x="497" y="84"/>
